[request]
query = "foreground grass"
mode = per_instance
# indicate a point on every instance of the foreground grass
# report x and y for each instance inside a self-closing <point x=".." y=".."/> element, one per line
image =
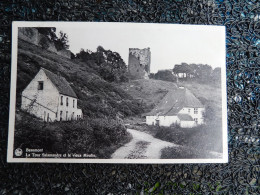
<point x="183" y="152"/>
<point x="98" y="137"/>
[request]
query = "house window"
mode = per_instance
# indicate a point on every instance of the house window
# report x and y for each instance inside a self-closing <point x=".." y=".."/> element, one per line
<point x="48" y="117"/>
<point x="40" y="85"/>
<point x="60" y="115"/>
<point x="195" y="110"/>
<point x="73" y="103"/>
<point x="66" y="115"/>
<point x="67" y="101"/>
<point x="189" y="110"/>
<point x="72" y="116"/>
<point x="196" y="120"/>
<point x="61" y="100"/>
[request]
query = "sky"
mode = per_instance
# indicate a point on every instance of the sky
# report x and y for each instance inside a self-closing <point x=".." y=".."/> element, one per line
<point x="169" y="44"/>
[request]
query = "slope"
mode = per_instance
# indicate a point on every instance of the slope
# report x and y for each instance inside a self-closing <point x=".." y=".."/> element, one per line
<point x="151" y="92"/>
<point x="97" y="97"/>
<point x="148" y="92"/>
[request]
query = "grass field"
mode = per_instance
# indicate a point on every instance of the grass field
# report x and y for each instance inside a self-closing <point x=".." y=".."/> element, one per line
<point x="208" y="95"/>
<point x="149" y="92"/>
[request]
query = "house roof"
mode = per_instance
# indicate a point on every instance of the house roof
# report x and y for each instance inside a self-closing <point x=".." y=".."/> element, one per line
<point x="61" y="83"/>
<point x="185" y="117"/>
<point x="174" y="101"/>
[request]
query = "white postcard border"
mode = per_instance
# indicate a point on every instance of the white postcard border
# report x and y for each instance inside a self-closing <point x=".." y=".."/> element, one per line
<point x="12" y="107"/>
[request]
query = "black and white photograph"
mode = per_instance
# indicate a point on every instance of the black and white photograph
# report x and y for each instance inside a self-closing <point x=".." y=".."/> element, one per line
<point x="96" y="92"/>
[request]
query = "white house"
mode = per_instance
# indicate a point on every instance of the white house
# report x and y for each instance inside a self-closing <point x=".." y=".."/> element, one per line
<point x="51" y="98"/>
<point x="180" y="107"/>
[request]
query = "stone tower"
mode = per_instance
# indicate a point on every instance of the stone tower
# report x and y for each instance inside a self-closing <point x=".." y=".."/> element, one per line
<point x="139" y="63"/>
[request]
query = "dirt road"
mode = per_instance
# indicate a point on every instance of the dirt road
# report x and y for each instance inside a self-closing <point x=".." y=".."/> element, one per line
<point x="142" y="146"/>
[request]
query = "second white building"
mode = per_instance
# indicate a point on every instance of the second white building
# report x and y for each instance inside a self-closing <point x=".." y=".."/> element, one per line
<point x="179" y="107"/>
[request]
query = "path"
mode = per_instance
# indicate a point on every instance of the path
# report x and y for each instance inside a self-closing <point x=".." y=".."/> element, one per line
<point x="141" y="146"/>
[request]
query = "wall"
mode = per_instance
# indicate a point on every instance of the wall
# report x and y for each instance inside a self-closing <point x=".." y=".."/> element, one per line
<point x="139" y="63"/>
<point x="38" y="102"/>
<point x="70" y="109"/>
<point x="29" y="34"/>
<point x="187" y="124"/>
<point x="169" y="120"/>
<point x="199" y="116"/>
<point x="79" y="113"/>
<point x="164" y="120"/>
<point x="33" y="36"/>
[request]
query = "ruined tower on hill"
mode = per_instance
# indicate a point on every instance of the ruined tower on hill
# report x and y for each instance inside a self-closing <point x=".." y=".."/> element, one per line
<point x="139" y="63"/>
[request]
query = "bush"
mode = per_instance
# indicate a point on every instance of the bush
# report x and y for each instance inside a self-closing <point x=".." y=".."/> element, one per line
<point x="44" y="43"/>
<point x="203" y="137"/>
<point x="99" y="136"/>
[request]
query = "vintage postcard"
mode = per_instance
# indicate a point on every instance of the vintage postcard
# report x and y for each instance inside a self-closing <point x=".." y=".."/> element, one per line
<point x="86" y="92"/>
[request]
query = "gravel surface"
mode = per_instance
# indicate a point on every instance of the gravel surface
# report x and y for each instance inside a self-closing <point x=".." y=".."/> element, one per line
<point x="142" y="145"/>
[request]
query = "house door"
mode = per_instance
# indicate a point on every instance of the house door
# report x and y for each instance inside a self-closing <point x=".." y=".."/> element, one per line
<point x="157" y="122"/>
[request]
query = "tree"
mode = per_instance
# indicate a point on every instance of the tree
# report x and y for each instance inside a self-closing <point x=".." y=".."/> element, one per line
<point x="110" y="65"/>
<point x="201" y="72"/>
<point x="44" y="43"/>
<point x="62" y="41"/>
<point x="49" y="32"/>
<point x="151" y="76"/>
<point x="216" y="75"/>
<point x="183" y="68"/>
<point x="73" y="56"/>
<point x="165" y="75"/>
<point x="100" y="49"/>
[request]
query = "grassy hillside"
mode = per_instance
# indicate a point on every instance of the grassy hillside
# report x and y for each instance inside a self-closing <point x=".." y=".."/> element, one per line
<point x="97" y="97"/>
<point x="149" y="92"/>
<point x="210" y="96"/>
